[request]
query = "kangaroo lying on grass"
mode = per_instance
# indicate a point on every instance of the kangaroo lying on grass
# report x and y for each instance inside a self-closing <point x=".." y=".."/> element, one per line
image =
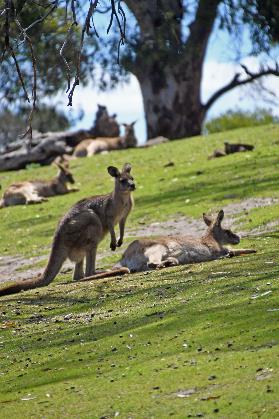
<point x="81" y="230"/>
<point x="237" y="147"/>
<point x="147" y="254"/>
<point x="36" y="191"/>
<point x="230" y="148"/>
<point x="89" y="147"/>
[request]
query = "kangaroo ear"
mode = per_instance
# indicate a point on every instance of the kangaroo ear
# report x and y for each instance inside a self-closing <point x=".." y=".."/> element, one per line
<point x="208" y="220"/>
<point x="127" y="168"/>
<point x="124" y="124"/>
<point x="133" y="123"/>
<point x="220" y="217"/>
<point x="113" y="171"/>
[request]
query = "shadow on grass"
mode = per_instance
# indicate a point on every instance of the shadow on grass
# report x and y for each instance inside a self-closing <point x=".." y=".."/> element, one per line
<point x="186" y="319"/>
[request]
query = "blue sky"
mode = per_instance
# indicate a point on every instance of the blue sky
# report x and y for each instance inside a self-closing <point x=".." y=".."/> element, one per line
<point x="220" y="66"/>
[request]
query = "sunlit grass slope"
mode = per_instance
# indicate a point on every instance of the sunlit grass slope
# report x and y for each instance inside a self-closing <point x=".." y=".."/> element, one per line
<point x="192" y="341"/>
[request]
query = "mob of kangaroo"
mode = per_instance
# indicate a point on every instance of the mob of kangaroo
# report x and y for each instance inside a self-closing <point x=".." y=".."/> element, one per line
<point x="84" y="226"/>
<point x="81" y="230"/>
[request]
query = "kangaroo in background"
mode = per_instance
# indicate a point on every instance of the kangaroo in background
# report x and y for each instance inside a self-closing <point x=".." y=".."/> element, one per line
<point x="84" y="226"/>
<point x="230" y="148"/>
<point x="104" y="124"/>
<point x="36" y="191"/>
<point x="237" y="147"/>
<point x="89" y="147"/>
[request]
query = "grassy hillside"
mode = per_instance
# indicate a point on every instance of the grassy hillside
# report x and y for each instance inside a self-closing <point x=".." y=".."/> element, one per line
<point x="192" y="341"/>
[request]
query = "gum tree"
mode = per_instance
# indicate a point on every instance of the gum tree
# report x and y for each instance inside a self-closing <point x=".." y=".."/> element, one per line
<point x="162" y="42"/>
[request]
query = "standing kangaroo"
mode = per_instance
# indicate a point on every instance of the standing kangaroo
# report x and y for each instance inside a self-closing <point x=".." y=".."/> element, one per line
<point x="147" y="254"/>
<point x="81" y="230"/>
<point x="36" y="191"/>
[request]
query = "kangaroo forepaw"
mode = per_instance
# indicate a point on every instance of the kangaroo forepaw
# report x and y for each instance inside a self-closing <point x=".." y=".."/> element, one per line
<point x="167" y="263"/>
<point x="119" y="243"/>
<point x="152" y="265"/>
<point x="113" y="246"/>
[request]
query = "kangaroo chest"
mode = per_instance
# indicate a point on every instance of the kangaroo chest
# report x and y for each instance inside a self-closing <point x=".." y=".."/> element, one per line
<point x="121" y="212"/>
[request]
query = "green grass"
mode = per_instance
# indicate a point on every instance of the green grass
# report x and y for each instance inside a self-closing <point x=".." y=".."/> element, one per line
<point x="128" y="347"/>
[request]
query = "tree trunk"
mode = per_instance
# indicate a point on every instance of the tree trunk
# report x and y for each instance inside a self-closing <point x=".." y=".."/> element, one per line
<point x="169" y="69"/>
<point x="172" y="108"/>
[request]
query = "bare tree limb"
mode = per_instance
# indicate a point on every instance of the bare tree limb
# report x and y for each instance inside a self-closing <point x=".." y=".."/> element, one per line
<point x="27" y="39"/>
<point x="12" y="15"/>
<point x="43" y="17"/>
<point x="68" y="70"/>
<point x="237" y="81"/>
<point x="85" y="29"/>
<point x="121" y="30"/>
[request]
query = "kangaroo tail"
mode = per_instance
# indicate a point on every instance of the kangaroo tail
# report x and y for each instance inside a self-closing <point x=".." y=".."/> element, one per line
<point x="55" y="262"/>
<point x="240" y="252"/>
<point x="107" y="274"/>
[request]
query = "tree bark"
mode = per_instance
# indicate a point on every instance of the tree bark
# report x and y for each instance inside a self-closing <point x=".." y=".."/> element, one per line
<point x="172" y="109"/>
<point x="169" y="70"/>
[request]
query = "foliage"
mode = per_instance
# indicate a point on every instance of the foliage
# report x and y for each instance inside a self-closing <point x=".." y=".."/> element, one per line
<point x="46" y="118"/>
<point x="233" y="119"/>
<point x="195" y="341"/>
<point x="47" y="38"/>
<point x="164" y="42"/>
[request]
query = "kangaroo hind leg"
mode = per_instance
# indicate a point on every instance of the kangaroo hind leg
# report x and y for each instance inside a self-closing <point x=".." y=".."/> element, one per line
<point x="78" y="271"/>
<point x="90" y="261"/>
<point x="154" y="255"/>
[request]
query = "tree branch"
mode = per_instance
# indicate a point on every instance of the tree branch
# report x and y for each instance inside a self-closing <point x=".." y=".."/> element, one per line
<point x="236" y="81"/>
<point x="201" y="27"/>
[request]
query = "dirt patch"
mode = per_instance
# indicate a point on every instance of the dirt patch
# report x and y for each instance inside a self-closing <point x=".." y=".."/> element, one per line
<point x="16" y="267"/>
<point x="194" y="227"/>
<point x="248" y="204"/>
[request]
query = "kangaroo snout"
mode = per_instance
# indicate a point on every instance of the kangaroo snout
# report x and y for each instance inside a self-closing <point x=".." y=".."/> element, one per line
<point x="237" y="239"/>
<point x="131" y="185"/>
<point x="71" y="180"/>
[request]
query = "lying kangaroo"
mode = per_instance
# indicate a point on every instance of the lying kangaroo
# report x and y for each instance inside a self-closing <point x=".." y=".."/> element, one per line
<point x="81" y="230"/>
<point x="89" y="147"/>
<point x="160" y="252"/>
<point x="237" y="147"/>
<point x="36" y="191"/>
<point x="217" y="153"/>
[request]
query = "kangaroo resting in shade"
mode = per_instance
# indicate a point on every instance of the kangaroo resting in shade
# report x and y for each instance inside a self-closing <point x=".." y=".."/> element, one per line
<point x="81" y="230"/>
<point x="36" y="191"/>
